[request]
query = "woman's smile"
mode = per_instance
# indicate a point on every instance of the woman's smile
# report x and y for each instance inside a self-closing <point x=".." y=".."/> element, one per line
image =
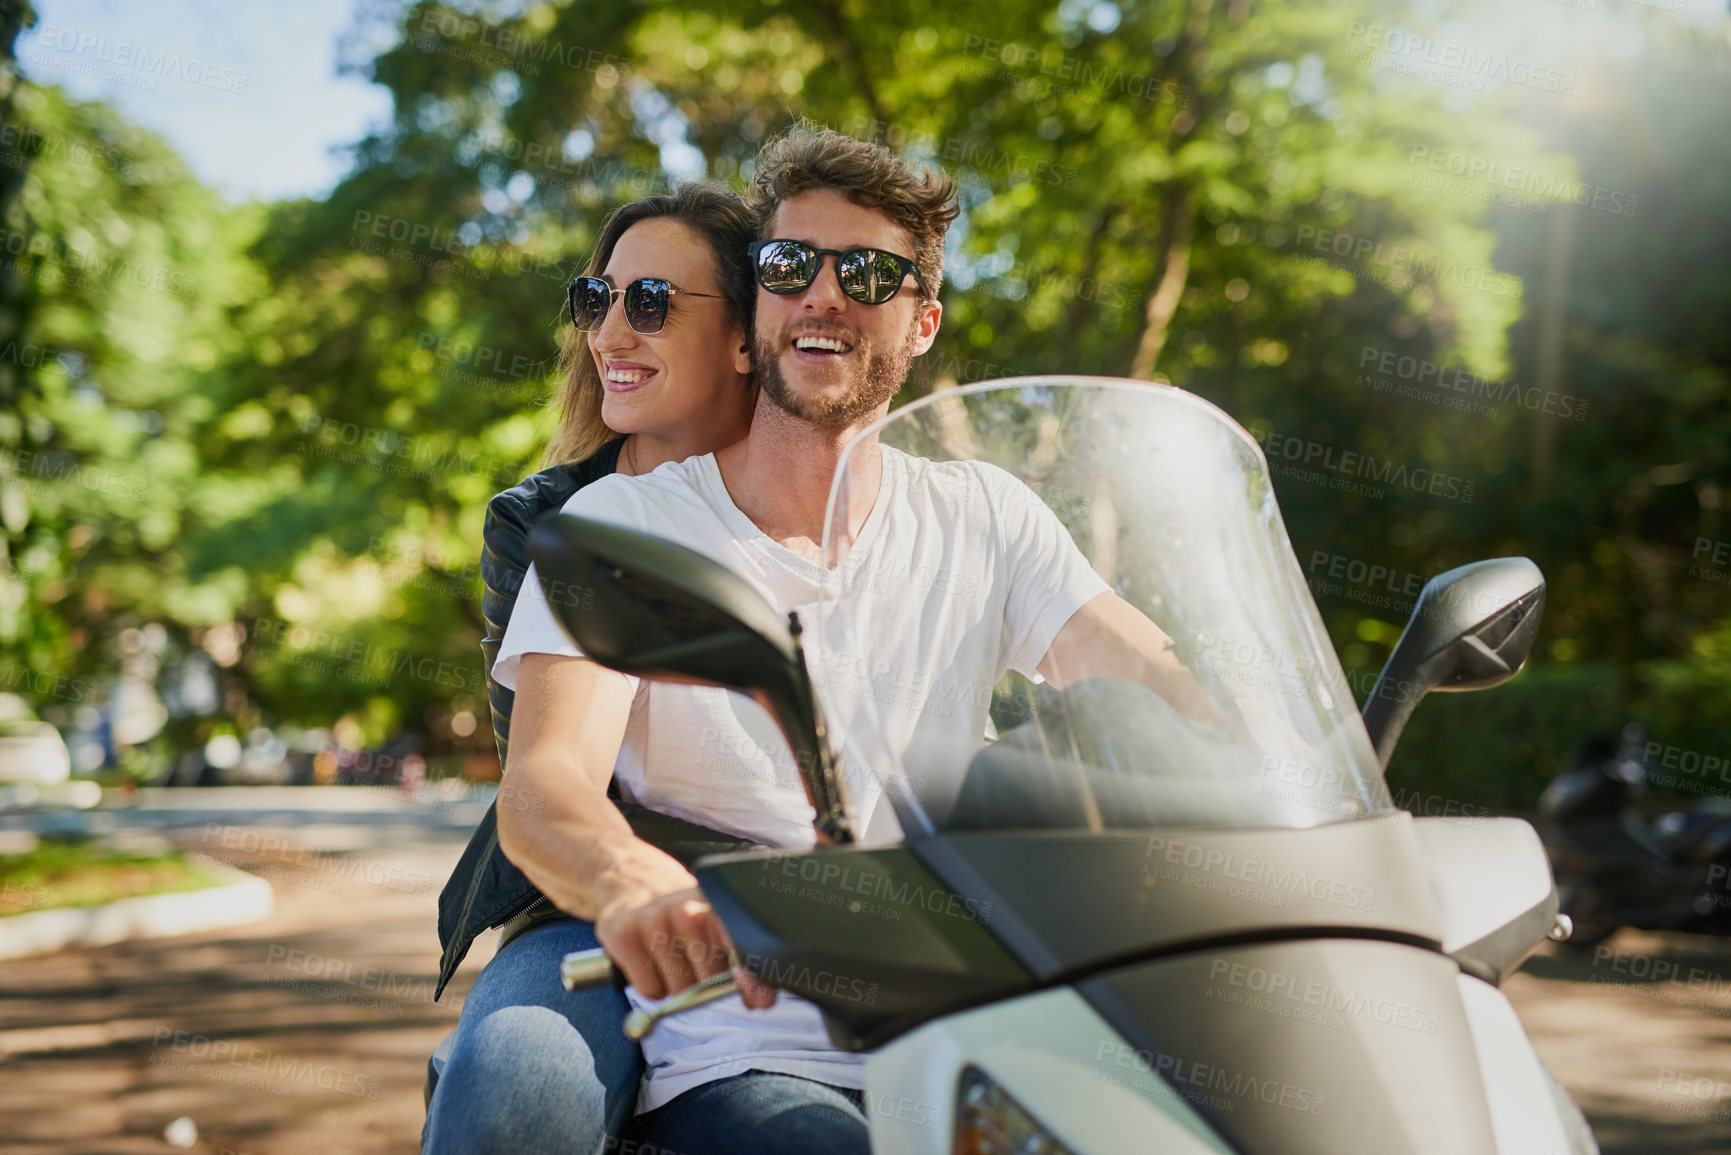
<point x="624" y="376"/>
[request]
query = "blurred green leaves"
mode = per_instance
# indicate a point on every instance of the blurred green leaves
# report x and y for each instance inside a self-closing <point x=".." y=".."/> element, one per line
<point x="296" y="413"/>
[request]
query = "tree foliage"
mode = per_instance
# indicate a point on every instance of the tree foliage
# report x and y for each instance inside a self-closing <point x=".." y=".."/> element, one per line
<point x="1238" y="198"/>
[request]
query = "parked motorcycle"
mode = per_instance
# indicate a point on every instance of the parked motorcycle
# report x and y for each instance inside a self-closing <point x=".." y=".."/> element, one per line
<point x="1113" y="923"/>
<point x="1618" y="863"/>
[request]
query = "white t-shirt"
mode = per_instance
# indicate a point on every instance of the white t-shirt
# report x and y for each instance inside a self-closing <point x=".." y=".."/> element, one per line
<point x="962" y="573"/>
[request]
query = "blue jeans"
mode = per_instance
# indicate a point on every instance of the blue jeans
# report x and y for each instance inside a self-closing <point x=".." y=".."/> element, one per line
<point x="535" y="1068"/>
<point x="757" y="1113"/>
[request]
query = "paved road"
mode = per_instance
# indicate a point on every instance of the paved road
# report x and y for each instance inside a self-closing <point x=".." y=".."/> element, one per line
<point x="453" y="807"/>
<point x="309" y="1031"/>
<point x="1639" y="1030"/>
<point x="306" y="1032"/>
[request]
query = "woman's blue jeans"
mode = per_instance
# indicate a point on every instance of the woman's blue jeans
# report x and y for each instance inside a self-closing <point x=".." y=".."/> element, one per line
<point x="535" y="1068"/>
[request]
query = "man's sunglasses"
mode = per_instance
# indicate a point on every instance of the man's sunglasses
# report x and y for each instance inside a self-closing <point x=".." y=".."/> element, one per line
<point x="869" y="276"/>
<point x="645" y="302"/>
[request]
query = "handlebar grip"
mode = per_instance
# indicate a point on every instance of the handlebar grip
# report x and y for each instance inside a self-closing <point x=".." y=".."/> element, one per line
<point x="582" y="969"/>
<point x="717" y="986"/>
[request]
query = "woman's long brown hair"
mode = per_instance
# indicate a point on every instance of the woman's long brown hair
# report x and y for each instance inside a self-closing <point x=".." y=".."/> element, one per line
<point x="711" y="209"/>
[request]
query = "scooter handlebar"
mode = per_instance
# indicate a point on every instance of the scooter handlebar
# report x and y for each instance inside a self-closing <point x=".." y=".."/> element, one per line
<point x="717" y="986"/>
<point x="584" y="969"/>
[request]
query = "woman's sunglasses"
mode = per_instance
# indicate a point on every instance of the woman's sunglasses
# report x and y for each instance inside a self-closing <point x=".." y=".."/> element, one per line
<point x="645" y="302"/>
<point x="869" y="276"/>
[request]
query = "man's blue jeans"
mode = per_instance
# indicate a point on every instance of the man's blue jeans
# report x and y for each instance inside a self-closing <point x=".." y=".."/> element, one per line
<point x="536" y="1068"/>
<point x="757" y="1113"/>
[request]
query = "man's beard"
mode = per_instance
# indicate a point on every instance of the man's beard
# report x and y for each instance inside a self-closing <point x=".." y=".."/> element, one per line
<point x="884" y="373"/>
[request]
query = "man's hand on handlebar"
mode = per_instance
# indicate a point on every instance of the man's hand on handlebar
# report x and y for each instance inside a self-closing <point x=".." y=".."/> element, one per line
<point x="670" y="942"/>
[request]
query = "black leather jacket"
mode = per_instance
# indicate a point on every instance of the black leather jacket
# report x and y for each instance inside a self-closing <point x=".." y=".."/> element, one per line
<point x="486" y="889"/>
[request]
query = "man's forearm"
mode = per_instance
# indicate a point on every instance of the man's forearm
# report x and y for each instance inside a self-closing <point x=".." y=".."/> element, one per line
<point x="1110" y="638"/>
<point x="556" y="822"/>
<point x="585" y="858"/>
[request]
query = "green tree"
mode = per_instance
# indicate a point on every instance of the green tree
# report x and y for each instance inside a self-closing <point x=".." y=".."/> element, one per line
<point x="127" y="265"/>
<point x="1246" y="200"/>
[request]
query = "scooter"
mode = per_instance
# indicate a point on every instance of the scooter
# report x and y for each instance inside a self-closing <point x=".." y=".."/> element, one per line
<point x="1618" y="866"/>
<point x="1116" y="926"/>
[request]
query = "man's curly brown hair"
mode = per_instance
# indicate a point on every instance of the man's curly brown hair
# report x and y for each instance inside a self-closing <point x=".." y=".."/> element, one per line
<point x="804" y="159"/>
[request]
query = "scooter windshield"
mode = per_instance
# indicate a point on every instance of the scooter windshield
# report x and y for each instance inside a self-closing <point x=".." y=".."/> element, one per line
<point x="1071" y="603"/>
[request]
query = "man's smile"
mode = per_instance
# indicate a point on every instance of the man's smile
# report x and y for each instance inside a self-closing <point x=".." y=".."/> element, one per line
<point x="819" y="345"/>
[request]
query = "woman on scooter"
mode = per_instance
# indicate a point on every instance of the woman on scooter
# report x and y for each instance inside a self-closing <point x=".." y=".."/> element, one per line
<point x="657" y="367"/>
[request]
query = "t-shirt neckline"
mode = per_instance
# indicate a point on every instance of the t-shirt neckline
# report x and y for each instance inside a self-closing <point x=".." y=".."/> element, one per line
<point x="746" y="530"/>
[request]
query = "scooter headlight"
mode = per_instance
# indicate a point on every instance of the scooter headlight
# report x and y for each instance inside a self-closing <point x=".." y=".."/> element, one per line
<point x="990" y="1122"/>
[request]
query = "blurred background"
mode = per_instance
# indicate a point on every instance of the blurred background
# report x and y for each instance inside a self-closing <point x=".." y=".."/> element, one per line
<point x="281" y="290"/>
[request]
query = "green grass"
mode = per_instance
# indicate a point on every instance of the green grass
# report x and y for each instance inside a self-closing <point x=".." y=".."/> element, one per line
<point x="61" y="874"/>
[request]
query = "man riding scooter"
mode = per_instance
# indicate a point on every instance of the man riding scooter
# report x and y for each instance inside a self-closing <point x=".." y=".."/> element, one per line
<point x="848" y="269"/>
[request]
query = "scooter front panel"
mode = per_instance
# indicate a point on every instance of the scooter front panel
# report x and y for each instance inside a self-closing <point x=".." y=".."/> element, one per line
<point x="1315" y="1047"/>
<point x="1066" y="904"/>
<point x="1055" y="1056"/>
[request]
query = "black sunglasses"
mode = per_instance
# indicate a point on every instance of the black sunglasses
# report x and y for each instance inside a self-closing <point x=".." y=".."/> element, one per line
<point x="645" y="302"/>
<point x="869" y="276"/>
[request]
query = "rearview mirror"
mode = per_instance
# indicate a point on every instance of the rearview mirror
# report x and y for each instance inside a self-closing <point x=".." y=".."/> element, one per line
<point x="643" y="605"/>
<point x="1471" y="629"/>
